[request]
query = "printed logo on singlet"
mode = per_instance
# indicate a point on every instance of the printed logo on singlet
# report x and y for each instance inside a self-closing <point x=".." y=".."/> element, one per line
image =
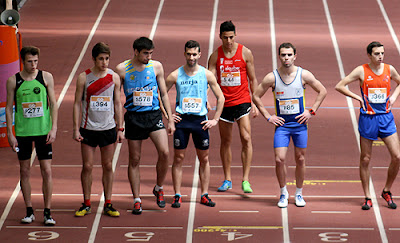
<point x="386" y="79"/>
<point x="91" y="81"/>
<point x="132" y="77"/>
<point x="228" y="61"/>
<point x="160" y="124"/>
<point x="280" y="93"/>
<point x="237" y="60"/>
<point x="36" y="90"/>
<point x="221" y="60"/>
<point x="369" y="78"/>
<point x="19" y="81"/>
<point x="298" y="91"/>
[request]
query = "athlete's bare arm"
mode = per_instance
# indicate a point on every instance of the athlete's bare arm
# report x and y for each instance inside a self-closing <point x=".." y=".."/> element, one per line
<point x="356" y="75"/>
<point x="395" y="77"/>
<point x="212" y="62"/>
<point x="309" y="78"/>
<point x="120" y="70"/>
<point x="268" y="82"/>
<point x="249" y="59"/>
<point x="212" y="82"/>
<point x="77" y="109"/>
<point x="11" y="84"/>
<point x="118" y="106"/>
<point x="171" y="81"/>
<point x="159" y="71"/>
<point x="49" y="81"/>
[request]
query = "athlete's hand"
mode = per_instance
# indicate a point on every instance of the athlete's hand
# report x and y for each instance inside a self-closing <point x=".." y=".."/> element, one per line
<point x="171" y="127"/>
<point x="276" y="120"/>
<point x="304" y="117"/>
<point x="51" y="137"/>
<point x="120" y="136"/>
<point x="391" y="102"/>
<point x="254" y="110"/>
<point x="13" y="142"/>
<point x="177" y="117"/>
<point x="209" y="124"/>
<point x="77" y="136"/>
<point x="362" y="104"/>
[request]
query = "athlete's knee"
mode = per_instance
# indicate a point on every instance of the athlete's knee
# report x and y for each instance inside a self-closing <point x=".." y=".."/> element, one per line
<point x="24" y="172"/>
<point x="279" y="161"/>
<point x="178" y="159"/>
<point x="364" y="160"/>
<point x="163" y="154"/>
<point x="107" y="167"/>
<point x="87" y="168"/>
<point x="46" y="172"/>
<point x="396" y="158"/>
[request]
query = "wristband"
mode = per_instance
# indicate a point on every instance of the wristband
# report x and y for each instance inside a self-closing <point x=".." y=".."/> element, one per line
<point x="312" y="112"/>
<point x="269" y="118"/>
<point x="121" y="129"/>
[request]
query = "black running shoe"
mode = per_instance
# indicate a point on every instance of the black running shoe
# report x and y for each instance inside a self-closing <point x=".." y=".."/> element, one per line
<point x="388" y="197"/>
<point x="367" y="204"/>
<point x="160" y="197"/>
<point x="137" y="208"/>
<point x="177" y="202"/>
<point x="207" y="201"/>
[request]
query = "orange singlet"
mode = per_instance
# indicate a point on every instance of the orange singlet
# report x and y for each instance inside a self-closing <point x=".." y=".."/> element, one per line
<point x="375" y="90"/>
<point x="232" y="77"/>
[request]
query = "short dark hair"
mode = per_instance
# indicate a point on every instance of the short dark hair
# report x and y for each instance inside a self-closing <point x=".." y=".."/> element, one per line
<point x="372" y="45"/>
<point x="33" y="50"/>
<point x="99" y="48"/>
<point x="143" y="43"/>
<point x="192" y="44"/>
<point x="286" y="45"/>
<point x="227" y="26"/>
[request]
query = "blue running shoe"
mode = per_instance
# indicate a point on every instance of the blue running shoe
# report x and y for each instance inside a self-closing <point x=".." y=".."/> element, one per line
<point x="225" y="186"/>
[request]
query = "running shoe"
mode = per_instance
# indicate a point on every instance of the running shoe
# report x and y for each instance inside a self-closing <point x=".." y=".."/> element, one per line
<point x="137" y="208"/>
<point x="367" y="204"/>
<point x="299" y="200"/>
<point x="83" y="210"/>
<point x="283" y="201"/>
<point x="48" y="220"/>
<point x="246" y="187"/>
<point x="110" y="211"/>
<point x="177" y="202"/>
<point x="388" y="197"/>
<point x="28" y="219"/>
<point x="160" y="197"/>
<point x="225" y="186"/>
<point x="207" y="201"/>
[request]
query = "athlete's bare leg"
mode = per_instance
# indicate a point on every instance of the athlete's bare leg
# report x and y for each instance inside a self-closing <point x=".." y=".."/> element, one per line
<point x="179" y="156"/>
<point x="135" y="147"/>
<point x="247" y="146"/>
<point x="160" y="140"/>
<point x="25" y="174"/>
<point x="392" y="143"/>
<point x="225" y="132"/>
<point x="204" y="170"/>
<point x="107" y="153"/>
<point x="47" y="182"/>
<point x="365" y="158"/>
<point x="299" y="155"/>
<point x="280" y="165"/>
<point x="87" y="168"/>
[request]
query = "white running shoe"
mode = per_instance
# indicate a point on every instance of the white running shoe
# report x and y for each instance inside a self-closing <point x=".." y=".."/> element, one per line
<point x="49" y="221"/>
<point x="28" y="219"/>
<point x="299" y="201"/>
<point x="283" y="201"/>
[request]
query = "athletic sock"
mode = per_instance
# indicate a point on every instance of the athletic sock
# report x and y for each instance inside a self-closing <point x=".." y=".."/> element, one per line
<point x="29" y="211"/>
<point x="299" y="191"/>
<point x="87" y="202"/>
<point x="137" y="199"/>
<point x="157" y="188"/>
<point x="176" y="194"/>
<point x="107" y="202"/>
<point x="46" y="211"/>
<point x="284" y="191"/>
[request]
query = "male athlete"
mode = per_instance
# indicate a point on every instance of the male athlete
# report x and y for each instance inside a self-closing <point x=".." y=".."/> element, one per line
<point x="233" y="65"/>
<point x="376" y="119"/>
<point x="291" y="118"/>
<point x="191" y="82"/>
<point x="96" y="108"/>
<point x="142" y="79"/>
<point x="32" y="90"/>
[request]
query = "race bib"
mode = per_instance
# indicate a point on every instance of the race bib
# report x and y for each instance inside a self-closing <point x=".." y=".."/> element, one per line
<point x="100" y="103"/>
<point x="191" y="105"/>
<point x="32" y="109"/>
<point x="230" y="79"/>
<point x="289" y="107"/>
<point x="143" y="98"/>
<point x="377" y="95"/>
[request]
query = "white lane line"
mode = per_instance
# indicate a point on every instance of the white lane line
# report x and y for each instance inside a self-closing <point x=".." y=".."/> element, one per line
<point x="244" y="196"/>
<point x="192" y="208"/>
<point x="329" y="228"/>
<point x="389" y="24"/>
<point x="334" y="212"/>
<point x="153" y="166"/>
<point x="150" y="210"/>
<point x="155" y="23"/>
<point x="394" y="228"/>
<point x="142" y="195"/>
<point x="377" y="212"/>
<point x="57" y="210"/>
<point x="212" y="29"/>
<point x="63" y="194"/>
<point x="239" y="211"/>
<point x="157" y="227"/>
<point x="45" y="227"/>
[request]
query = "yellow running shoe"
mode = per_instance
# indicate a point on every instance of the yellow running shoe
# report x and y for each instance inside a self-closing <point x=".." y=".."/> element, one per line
<point x="110" y="211"/>
<point x="83" y="211"/>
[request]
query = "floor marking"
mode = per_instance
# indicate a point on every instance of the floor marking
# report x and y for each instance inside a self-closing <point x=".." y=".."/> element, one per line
<point x="144" y="195"/>
<point x="389" y="25"/>
<point x="45" y="227"/>
<point x="153" y="166"/>
<point x="192" y="208"/>
<point x="150" y="210"/>
<point x="241" y="227"/>
<point x="338" y="212"/>
<point x="239" y="211"/>
<point x="62" y="194"/>
<point x="165" y="228"/>
<point x="244" y="195"/>
<point x="57" y="210"/>
<point x="394" y="228"/>
<point x="321" y="196"/>
<point x="378" y="216"/>
<point x="328" y="228"/>
<point x="212" y="29"/>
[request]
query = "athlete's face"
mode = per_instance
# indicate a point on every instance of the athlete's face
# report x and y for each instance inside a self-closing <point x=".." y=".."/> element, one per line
<point x="101" y="62"/>
<point x="287" y="57"/>
<point x="30" y="63"/>
<point x="144" y="56"/>
<point x="228" y="39"/>
<point x="192" y="56"/>
<point x="377" y="55"/>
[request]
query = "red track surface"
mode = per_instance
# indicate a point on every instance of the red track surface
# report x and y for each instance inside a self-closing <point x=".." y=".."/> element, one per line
<point x="333" y="191"/>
